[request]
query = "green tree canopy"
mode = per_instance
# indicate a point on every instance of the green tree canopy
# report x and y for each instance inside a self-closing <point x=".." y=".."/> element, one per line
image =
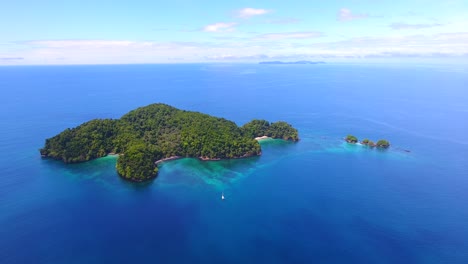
<point x="383" y="143"/>
<point x="157" y="131"/>
<point x="88" y="141"/>
<point x="137" y="164"/>
<point x="280" y="129"/>
<point x="351" y="139"/>
<point x="256" y="128"/>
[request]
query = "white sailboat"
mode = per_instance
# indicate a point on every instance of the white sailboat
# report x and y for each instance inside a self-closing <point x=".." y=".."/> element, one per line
<point x="222" y="196"/>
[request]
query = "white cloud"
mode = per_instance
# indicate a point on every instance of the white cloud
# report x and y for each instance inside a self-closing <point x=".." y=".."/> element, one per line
<point x="250" y="12"/>
<point x="345" y="14"/>
<point x="290" y="35"/>
<point x="11" y="58"/>
<point x="399" y="26"/>
<point x="223" y="57"/>
<point x="453" y="44"/>
<point x="290" y="45"/>
<point x="83" y="43"/>
<point x="219" y="27"/>
<point x="283" y="21"/>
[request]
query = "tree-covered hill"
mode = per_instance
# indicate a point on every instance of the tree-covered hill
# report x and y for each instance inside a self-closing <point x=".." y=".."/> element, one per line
<point x="259" y="128"/>
<point x="159" y="131"/>
<point x="88" y="141"/>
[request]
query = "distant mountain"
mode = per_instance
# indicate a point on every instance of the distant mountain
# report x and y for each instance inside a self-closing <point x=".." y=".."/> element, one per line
<point x="291" y="62"/>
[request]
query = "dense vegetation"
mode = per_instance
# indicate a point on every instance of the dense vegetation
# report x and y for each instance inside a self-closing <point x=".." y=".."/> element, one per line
<point x="258" y="128"/>
<point x="368" y="142"/>
<point x="88" y="141"/>
<point x="351" y="139"/>
<point x="158" y="131"/>
<point x="383" y="143"/>
<point x="137" y="163"/>
<point x="380" y="144"/>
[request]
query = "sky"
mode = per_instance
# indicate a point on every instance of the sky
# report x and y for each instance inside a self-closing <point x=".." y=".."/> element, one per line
<point x="182" y="31"/>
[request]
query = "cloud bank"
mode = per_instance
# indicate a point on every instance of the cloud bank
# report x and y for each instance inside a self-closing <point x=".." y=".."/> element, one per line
<point x="290" y="35"/>
<point x="250" y="12"/>
<point x="220" y="27"/>
<point x="345" y="14"/>
<point x="285" y="45"/>
<point x="401" y="26"/>
<point x="11" y="58"/>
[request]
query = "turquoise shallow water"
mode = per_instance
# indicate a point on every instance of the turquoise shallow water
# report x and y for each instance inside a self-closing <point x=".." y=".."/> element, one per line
<point x="319" y="200"/>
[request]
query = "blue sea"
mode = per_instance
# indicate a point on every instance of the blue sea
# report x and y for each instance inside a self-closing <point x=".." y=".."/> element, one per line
<point x="320" y="200"/>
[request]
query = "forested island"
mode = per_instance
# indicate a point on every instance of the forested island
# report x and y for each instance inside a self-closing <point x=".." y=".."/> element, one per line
<point x="157" y="132"/>
<point x="382" y="143"/>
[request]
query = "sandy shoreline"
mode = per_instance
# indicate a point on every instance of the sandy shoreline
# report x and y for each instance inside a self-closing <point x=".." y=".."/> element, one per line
<point x="167" y="159"/>
<point x="203" y="158"/>
<point x="262" y="137"/>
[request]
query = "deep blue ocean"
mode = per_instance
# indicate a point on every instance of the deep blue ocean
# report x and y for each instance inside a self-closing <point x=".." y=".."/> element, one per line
<point x="320" y="200"/>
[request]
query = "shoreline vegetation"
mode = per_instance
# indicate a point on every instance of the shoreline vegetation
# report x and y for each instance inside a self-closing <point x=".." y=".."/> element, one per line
<point x="205" y="158"/>
<point x="382" y="143"/>
<point x="150" y="135"/>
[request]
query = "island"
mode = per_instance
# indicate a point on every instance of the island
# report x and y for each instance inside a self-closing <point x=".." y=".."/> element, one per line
<point x="146" y="136"/>
<point x="292" y="62"/>
<point x="351" y="139"/>
<point x="368" y="143"/>
<point x="382" y="143"/>
<point x="261" y="129"/>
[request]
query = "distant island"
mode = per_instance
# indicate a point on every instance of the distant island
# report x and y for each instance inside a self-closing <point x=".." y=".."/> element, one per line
<point x="145" y="137"/>
<point x="382" y="143"/>
<point x="291" y="62"/>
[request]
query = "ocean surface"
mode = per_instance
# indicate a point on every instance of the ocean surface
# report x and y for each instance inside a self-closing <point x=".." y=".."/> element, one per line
<point x="320" y="200"/>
